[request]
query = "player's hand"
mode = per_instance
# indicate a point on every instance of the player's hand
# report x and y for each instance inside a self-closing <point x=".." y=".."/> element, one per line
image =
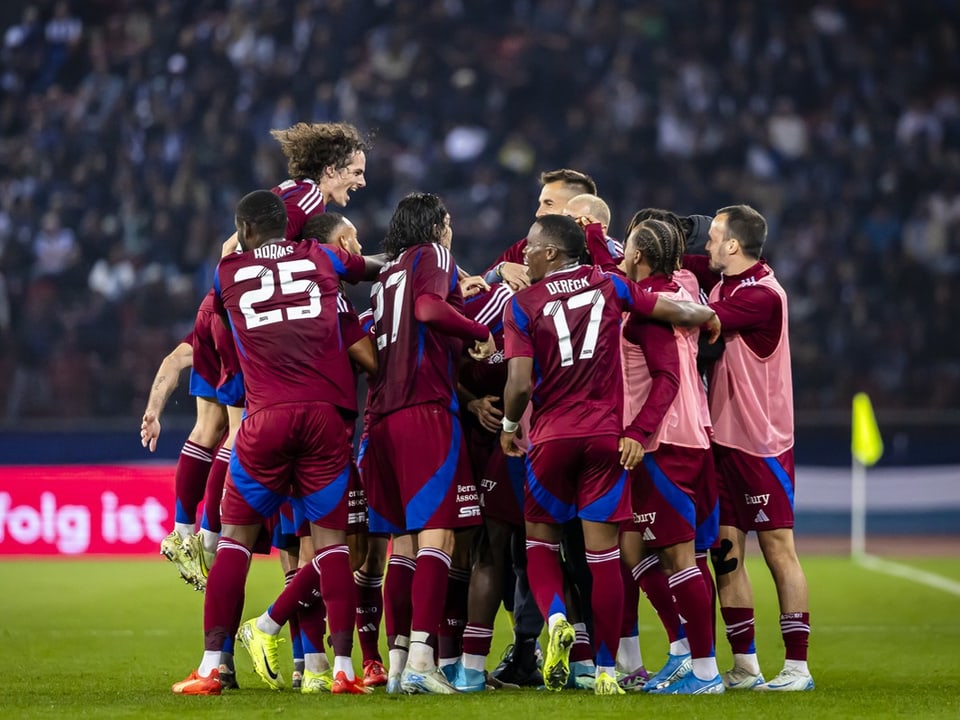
<point x="483" y="350"/>
<point x="515" y="275"/>
<point x="631" y="453"/>
<point x="713" y="329"/>
<point x="470" y="286"/>
<point x="487" y="413"/>
<point x="508" y="445"/>
<point x="149" y="431"/>
<point x="585" y="220"/>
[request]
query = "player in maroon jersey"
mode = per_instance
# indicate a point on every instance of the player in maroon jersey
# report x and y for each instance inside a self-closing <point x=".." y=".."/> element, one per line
<point x="326" y="162"/>
<point x="415" y="468"/>
<point x="217" y="385"/>
<point x="281" y="298"/>
<point x="558" y="186"/>
<point x="561" y="337"/>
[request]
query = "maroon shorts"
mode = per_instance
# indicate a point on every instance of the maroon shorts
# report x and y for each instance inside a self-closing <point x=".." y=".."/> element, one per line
<point x="576" y="477"/>
<point x="416" y="472"/>
<point x="216" y="366"/>
<point x="294" y="449"/>
<point x="356" y="503"/>
<point x="501" y="488"/>
<point x="756" y="493"/>
<point x="666" y="488"/>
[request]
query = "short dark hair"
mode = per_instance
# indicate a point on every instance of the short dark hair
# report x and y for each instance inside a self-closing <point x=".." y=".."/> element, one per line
<point x="417" y="220"/>
<point x="573" y="179"/>
<point x="323" y="226"/>
<point x="747" y="226"/>
<point x="263" y="211"/>
<point x="311" y="147"/>
<point x="660" y="214"/>
<point x="563" y="231"/>
<point x="661" y="244"/>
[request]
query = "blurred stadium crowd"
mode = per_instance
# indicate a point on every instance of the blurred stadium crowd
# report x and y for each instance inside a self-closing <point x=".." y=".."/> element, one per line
<point x="131" y="127"/>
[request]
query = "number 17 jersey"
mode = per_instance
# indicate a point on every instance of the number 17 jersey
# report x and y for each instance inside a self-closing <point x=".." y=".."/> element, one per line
<point x="569" y="323"/>
<point x="281" y="300"/>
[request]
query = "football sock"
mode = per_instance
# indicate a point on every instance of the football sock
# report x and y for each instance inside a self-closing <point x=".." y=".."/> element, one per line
<point x="190" y="478"/>
<point x="450" y="639"/>
<point x="740" y="629"/>
<point x="693" y="604"/>
<point x="340" y="596"/>
<point x="607" y="600"/>
<point x="223" y="601"/>
<point x="795" y="629"/>
<point x="653" y="582"/>
<point x="397" y="607"/>
<point x="369" y="613"/>
<point x="428" y="595"/>
<point x="546" y="579"/>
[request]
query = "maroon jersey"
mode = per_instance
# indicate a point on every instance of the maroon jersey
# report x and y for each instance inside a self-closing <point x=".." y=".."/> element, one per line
<point x="487" y="377"/>
<point x="569" y="323"/>
<point x="303" y="200"/>
<point x="281" y="300"/>
<point x="418" y="364"/>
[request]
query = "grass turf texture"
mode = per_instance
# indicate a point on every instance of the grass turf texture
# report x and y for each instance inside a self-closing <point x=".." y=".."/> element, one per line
<point x="107" y="639"/>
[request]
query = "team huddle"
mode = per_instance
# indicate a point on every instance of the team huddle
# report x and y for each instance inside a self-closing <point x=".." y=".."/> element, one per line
<point x="585" y="421"/>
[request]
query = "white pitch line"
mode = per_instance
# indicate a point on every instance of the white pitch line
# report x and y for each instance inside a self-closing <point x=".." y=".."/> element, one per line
<point x="909" y="573"/>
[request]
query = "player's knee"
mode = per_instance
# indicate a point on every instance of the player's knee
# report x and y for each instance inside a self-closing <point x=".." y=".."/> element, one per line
<point x="723" y="559"/>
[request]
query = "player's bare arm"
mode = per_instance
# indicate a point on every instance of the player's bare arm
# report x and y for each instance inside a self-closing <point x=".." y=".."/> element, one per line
<point x="687" y="314"/>
<point x="364" y="355"/>
<point x="516" y="395"/>
<point x="165" y="382"/>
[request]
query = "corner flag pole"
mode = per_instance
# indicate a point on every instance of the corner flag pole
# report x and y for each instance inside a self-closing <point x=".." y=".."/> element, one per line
<point x="866" y="447"/>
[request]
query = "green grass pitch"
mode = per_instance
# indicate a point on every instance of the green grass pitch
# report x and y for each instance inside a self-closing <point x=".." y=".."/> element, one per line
<point x="87" y="639"/>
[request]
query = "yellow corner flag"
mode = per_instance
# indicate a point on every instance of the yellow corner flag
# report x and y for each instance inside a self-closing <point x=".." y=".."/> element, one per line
<point x="866" y="445"/>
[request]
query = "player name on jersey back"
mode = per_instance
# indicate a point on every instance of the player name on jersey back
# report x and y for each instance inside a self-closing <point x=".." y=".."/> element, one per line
<point x="557" y="287"/>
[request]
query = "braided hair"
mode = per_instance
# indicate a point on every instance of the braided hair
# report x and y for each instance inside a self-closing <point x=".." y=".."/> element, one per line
<point x="661" y="244"/>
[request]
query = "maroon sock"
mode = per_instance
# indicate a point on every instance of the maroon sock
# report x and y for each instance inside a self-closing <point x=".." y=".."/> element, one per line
<point x="693" y="605"/>
<point x="339" y="595"/>
<point x="190" y="479"/>
<point x="294" y="621"/>
<point x="450" y="641"/>
<point x="740" y="630"/>
<point x="301" y="591"/>
<point x="397" y="606"/>
<point x="704" y="565"/>
<point x="631" y="601"/>
<point x="477" y="639"/>
<point x="369" y="613"/>
<point x="214" y="491"/>
<point x="583" y="649"/>
<point x="225" y="592"/>
<point x="545" y="576"/>
<point x="429" y="591"/>
<point x="607" y="601"/>
<point x="795" y="628"/>
<point x="313" y="626"/>
<point x="649" y="575"/>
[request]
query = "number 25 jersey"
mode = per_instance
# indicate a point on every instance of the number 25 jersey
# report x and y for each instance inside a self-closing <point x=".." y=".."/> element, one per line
<point x="569" y="323"/>
<point x="281" y="300"/>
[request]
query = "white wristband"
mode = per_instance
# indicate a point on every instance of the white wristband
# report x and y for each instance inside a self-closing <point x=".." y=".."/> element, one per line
<point x="509" y="426"/>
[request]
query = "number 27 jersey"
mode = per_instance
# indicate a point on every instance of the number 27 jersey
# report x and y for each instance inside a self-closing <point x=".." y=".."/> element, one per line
<point x="569" y="323"/>
<point x="418" y="364"/>
<point x="281" y="300"/>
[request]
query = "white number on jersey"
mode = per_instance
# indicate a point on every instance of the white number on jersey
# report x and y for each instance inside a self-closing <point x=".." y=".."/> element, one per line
<point x="268" y="287"/>
<point x="397" y="282"/>
<point x="555" y="311"/>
